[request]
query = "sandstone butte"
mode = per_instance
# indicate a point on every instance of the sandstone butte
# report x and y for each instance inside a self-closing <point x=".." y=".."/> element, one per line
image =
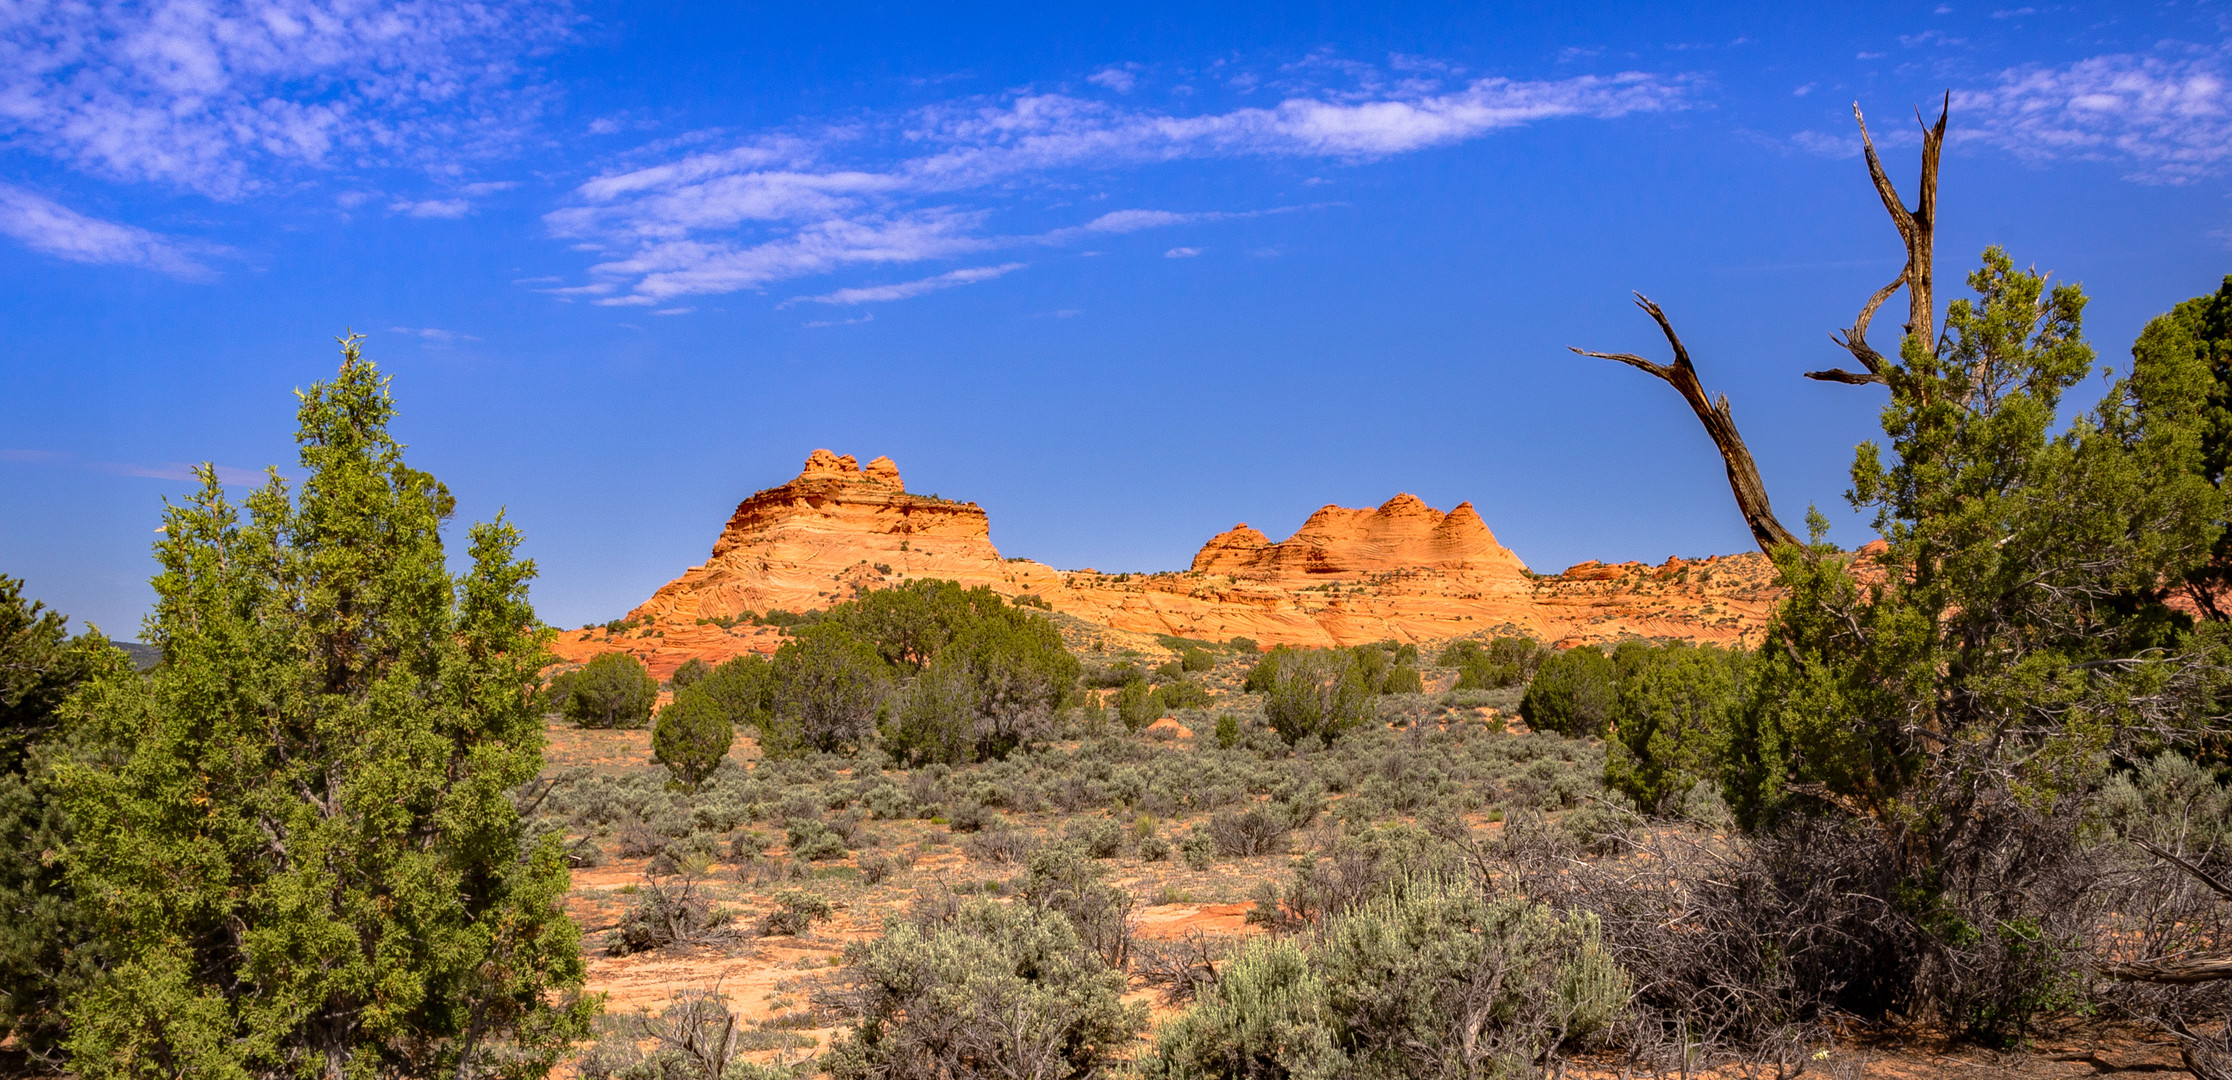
<point x="1401" y="570"/>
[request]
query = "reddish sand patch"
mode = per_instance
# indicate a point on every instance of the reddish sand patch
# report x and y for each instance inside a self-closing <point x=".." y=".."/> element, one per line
<point x="1164" y="922"/>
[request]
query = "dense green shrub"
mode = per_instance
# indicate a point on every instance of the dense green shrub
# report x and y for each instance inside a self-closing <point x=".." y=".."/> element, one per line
<point x="1320" y="694"/>
<point x="1671" y="720"/>
<point x="1180" y="645"/>
<point x="1372" y="664"/>
<point x="46" y="944"/>
<point x="1402" y="679"/>
<point x="933" y="721"/>
<point x="911" y="623"/>
<point x="744" y="685"/>
<point x="691" y="737"/>
<point x="996" y="685"/>
<point x="1137" y="706"/>
<point x="1505" y="661"/>
<point x="827" y="685"/>
<point x="1259" y="677"/>
<point x="1244" y="645"/>
<point x="1180" y="694"/>
<point x="1196" y="659"/>
<point x="614" y="690"/>
<point x="796" y="911"/>
<point x="1573" y="693"/>
<point x="1435" y="979"/>
<point x="692" y="670"/>
<point x="983" y="989"/>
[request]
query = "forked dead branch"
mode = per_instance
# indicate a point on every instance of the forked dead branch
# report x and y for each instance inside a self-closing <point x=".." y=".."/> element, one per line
<point x="1917" y="229"/>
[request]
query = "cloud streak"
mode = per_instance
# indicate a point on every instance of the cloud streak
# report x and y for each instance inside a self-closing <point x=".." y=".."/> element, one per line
<point x="924" y="186"/>
<point x="167" y="471"/>
<point x="878" y="294"/>
<point x="220" y="97"/>
<point x="51" y="228"/>
<point x="2166" y="115"/>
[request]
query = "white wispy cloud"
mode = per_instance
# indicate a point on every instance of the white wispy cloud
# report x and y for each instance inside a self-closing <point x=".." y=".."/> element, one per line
<point x="1120" y="78"/>
<point x="1847" y="144"/>
<point x="222" y="97"/>
<point x="433" y="208"/>
<point x="51" y="228"/>
<point x="876" y="294"/>
<point x="174" y="470"/>
<point x="1181" y="253"/>
<point x="695" y="218"/>
<point x="675" y="268"/>
<point x="2167" y="115"/>
<point x="433" y="334"/>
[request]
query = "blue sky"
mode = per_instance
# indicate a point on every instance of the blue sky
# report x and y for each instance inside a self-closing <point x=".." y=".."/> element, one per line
<point x="1124" y="276"/>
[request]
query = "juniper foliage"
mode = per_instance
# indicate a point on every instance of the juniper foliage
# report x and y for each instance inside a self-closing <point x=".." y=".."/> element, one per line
<point x="296" y="834"/>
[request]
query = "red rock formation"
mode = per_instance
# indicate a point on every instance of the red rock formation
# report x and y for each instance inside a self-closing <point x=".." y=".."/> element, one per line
<point x="1403" y="533"/>
<point x="836" y="529"/>
<point x="1402" y="570"/>
<point x="1240" y="546"/>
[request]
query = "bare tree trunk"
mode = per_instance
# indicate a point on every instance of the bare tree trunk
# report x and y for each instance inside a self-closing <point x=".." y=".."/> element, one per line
<point x="1918" y="228"/>
<point x="1743" y="473"/>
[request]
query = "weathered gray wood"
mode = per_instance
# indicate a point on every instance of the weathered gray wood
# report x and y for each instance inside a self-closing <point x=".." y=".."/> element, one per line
<point x="1743" y="472"/>
<point x="1918" y="230"/>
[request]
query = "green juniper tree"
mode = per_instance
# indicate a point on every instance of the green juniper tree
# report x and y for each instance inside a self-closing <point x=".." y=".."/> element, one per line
<point x="613" y="690"/>
<point x="2198" y="332"/>
<point x="912" y="623"/>
<point x="1319" y="694"/>
<point x="46" y="948"/>
<point x="826" y="685"/>
<point x="1957" y="698"/>
<point x="296" y="835"/>
<point x="692" y="736"/>
<point x="994" y="686"/>
<point x="1670" y="720"/>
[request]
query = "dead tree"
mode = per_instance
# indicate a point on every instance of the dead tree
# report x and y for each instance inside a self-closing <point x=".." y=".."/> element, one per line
<point x="2208" y="1057"/>
<point x="1743" y="475"/>
<point x="1917" y="229"/>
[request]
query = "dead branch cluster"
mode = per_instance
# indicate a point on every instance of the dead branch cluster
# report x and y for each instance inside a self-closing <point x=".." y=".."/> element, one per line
<point x="1917" y="230"/>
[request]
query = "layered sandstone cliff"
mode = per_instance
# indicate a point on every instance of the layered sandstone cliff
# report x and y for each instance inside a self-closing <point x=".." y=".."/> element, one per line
<point x="1402" y="570"/>
<point x="1402" y="533"/>
<point x="838" y="528"/>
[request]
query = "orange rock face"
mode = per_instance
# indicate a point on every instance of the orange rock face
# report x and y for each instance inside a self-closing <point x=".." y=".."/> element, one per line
<point x="1402" y="570"/>
<point x="1403" y="533"/>
<point x="835" y="530"/>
